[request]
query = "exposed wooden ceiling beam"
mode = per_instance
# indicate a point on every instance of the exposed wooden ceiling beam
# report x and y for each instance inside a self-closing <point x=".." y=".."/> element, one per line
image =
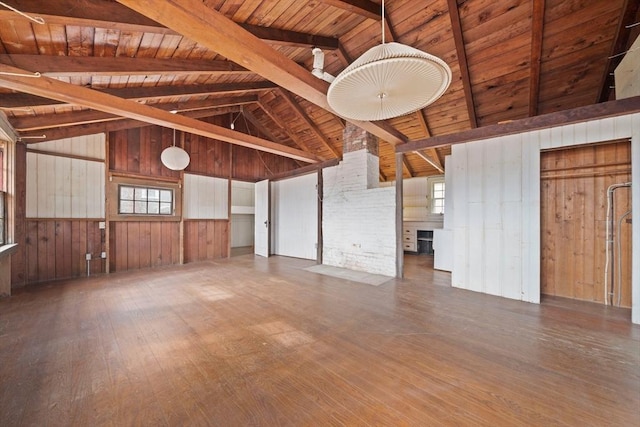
<point x="364" y="8"/>
<point x="87" y="66"/>
<point x="435" y="163"/>
<point x="52" y="88"/>
<point x="283" y="126"/>
<point x="620" y="45"/>
<point x="213" y="30"/>
<point x="310" y="124"/>
<point x="53" y="134"/>
<point x="537" y="27"/>
<point x="21" y="100"/>
<point x="545" y="121"/>
<point x="431" y="153"/>
<point x="458" y="38"/>
<point x="110" y="15"/>
<point x="407" y="167"/>
<point x="73" y="118"/>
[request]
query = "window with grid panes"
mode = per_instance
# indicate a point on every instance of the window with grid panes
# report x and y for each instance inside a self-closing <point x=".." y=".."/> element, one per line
<point x="437" y="197"/>
<point x="137" y="200"/>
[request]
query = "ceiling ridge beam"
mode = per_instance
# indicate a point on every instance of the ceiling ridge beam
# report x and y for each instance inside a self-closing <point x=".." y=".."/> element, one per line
<point x="18" y="79"/>
<point x="69" y="66"/>
<point x="220" y="34"/>
<point x="96" y="12"/>
<point x="73" y="118"/>
<point x="364" y="8"/>
<point x="458" y="39"/>
<point x="537" y="27"/>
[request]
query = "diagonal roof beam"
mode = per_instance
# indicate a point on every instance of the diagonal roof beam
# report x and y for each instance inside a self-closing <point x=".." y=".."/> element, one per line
<point x="73" y="118"/>
<point x="456" y="24"/>
<point x="217" y="32"/>
<point x="364" y="8"/>
<point x="282" y="125"/>
<point x="21" y="100"/>
<point x="87" y="66"/>
<point x="537" y="27"/>
<point x="18" y="79"/>
<point x="110" y="15"/>
<point x="431" y="153"/>
<point x="310" y="124"/>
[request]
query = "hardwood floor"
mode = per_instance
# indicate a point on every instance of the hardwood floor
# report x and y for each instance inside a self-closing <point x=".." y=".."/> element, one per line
<point x="261" y="342"/>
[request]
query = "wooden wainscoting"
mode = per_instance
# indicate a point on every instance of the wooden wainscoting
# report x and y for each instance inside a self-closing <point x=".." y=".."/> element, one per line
<point x="206" y="239"/>
<point x="143" y="244"/>
<point x="573" y="219"/>
<point x="57" y="248"/>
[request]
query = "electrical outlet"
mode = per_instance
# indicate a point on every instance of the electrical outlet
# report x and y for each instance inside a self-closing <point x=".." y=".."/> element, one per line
<point x="102" y="225"/>
<point x="88" y="257"/>
<point x="103" y="255"/>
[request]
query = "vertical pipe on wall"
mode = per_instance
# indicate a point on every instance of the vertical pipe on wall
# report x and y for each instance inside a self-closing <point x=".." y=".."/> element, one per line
<point x="609" y="243"/>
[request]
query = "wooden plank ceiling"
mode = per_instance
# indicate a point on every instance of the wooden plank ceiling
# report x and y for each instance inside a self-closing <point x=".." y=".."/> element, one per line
<point x="511" y="59"/>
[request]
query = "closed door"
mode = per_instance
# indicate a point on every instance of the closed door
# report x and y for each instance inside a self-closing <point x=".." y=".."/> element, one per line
<point x="574" y="187"/>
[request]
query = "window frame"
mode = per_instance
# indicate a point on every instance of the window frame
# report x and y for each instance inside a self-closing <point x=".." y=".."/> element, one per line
<point x="113" y="198"/>
<point x="433" y="198"/>
<point x="146" y="200"/>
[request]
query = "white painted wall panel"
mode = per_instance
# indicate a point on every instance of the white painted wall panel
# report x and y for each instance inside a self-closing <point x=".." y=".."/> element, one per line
<point x="496" y="214"/>
<point x="294" y="219"/>
<point x="205" y="197"/>
<point x="62" y="187"/>
<point x="242" y="228"/>
<point x="92" y="146"/>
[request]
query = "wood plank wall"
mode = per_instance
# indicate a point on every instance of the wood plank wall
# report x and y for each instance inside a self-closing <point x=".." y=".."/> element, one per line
<point x="52" y="249"/>
<point x="143" y="244"/>
<point x="205" y="239"/>
<point x="57" y="248"/>
<point x="573" y="219"/>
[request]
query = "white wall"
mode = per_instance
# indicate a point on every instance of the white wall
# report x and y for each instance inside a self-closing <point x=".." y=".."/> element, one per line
<point x="495" y="215"/>
<point x="242" y="213"/>
<point x="294" y="216"/>
<point x="242" y="230"/>
<point x="63" y="187"/>
<point x="205" y="197"/>
<point x="359" y="224"/>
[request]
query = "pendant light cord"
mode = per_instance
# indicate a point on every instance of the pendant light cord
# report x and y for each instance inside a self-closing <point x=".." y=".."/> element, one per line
<point x="382" y="21"/>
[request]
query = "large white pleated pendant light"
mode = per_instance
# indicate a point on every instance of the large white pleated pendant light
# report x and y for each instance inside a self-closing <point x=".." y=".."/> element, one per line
<point x="175" y="158"/>
<point x="388" y="80"/>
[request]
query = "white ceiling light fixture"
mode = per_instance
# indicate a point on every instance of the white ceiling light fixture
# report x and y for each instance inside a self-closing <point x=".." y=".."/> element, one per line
<point x="388" y="80"/>
<point x="175" y="158"/>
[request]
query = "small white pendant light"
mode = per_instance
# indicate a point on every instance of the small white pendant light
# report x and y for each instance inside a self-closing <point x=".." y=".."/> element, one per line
<point x="175" y="158"/>
<point x="388" y="80"/>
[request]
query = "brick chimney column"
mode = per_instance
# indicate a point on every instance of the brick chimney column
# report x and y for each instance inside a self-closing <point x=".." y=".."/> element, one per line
<point x="360" y="156"/>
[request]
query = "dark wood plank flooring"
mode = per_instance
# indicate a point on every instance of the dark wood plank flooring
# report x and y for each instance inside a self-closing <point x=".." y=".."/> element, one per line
<point x="250" y="341"/>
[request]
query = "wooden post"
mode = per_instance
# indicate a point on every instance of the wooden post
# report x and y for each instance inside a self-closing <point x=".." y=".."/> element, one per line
<point x="399" y="246"/>
<point x="320" y="188"/>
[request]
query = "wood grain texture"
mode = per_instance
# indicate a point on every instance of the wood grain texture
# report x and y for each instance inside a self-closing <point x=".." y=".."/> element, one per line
<point x="573" y="220"/>
<point x="56" y="249"/>
<point x="254" y="341"/>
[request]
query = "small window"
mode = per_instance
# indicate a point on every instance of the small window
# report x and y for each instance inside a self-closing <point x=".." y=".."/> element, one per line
<point x="437" y="197"/>
<point x="134" y="200"/>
